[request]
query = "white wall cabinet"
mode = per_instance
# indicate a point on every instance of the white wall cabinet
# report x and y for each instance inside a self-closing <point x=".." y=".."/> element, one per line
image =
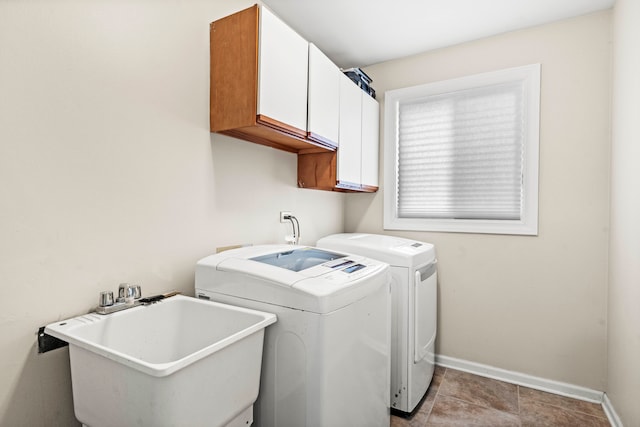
<point x="282" y="72"/>
<point x="349" y="161"/>
<point x="323" y="98"/>
<point x="259" y="76"/>
<point x="359" y="141"/>
<point x="354" y="166"/>
<point x="370" y="141"/>
<point x="271" y="87"/>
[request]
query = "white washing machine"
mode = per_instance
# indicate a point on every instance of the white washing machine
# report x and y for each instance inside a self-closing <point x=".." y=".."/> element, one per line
<point x="326" y="361"/>
<point x="413" y="308"/>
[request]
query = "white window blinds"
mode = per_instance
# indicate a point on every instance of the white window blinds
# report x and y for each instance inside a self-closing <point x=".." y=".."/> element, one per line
<point x="460" y="154"/>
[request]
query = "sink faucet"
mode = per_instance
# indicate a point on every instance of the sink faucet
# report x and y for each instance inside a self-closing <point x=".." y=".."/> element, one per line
<point x="128" y="296"/>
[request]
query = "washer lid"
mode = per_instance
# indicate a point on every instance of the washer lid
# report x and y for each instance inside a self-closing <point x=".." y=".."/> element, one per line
<point x="320" y="288"/>
<point x="282" y="264"/>
<point x="390" y="249"/>
<point x="299" y="259"/>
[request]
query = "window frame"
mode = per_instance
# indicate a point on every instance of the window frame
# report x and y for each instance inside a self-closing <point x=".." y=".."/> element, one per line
<point x="528" y="222"/>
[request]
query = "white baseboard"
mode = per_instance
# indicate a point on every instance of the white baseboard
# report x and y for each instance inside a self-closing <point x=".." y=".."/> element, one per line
<point x="611" y="413"/>
<point x="543" y="384"/>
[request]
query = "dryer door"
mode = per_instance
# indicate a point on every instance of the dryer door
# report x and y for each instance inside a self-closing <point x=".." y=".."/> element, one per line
<point x="425" y="306"/>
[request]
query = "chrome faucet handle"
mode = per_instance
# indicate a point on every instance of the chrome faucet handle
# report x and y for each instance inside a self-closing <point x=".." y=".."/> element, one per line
<point x="136" y="291"/>
<point x="123" y="291"/>
<point x="106" y="299"/>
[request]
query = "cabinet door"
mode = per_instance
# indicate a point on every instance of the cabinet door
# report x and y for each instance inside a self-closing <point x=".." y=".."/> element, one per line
<point x="324" y="98"/>
<point x="349" y="150"/>
<point x="282" y="72"/>
<point x="370" y="140"/>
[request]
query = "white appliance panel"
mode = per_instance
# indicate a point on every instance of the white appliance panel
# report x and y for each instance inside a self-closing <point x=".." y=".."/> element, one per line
<point x="413" y="310"/>
<point x="326" y="362"/>
<point x="324" y="369"/>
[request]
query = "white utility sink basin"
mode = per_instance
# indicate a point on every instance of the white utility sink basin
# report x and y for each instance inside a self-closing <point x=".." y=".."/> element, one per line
<point x="178" y="362"/>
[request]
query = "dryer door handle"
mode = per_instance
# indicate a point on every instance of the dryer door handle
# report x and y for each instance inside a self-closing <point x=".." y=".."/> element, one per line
<point x="426" y="271"/>
<point x="425" y="310"/>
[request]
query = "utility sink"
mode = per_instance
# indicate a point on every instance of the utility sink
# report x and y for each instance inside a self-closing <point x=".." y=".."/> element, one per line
<point x="178" y="362"/>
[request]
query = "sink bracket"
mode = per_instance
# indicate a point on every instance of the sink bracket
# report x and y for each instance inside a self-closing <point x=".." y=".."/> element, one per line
<point x="47" y="343"/>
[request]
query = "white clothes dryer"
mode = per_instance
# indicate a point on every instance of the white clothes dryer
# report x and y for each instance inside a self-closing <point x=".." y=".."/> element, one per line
<point x="413" y="308"/>
<point x="326" y="361"/>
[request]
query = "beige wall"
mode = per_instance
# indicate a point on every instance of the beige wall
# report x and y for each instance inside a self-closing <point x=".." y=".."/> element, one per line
<point x="108" y="173"/>
<point x="624" y="265"/>
<point x="535" y="305"/>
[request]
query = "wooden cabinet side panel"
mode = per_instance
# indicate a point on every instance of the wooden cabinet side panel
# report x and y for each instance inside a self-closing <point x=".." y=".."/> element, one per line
<point x="234" y="70"/>
<point x="317" y="171"/>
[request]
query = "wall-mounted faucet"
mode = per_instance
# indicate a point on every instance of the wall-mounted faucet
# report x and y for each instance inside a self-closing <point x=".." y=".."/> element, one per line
<point x="288" y="216"/>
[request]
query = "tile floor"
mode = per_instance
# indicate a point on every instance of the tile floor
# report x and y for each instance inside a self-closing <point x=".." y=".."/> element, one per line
<point x="457" y="398"/>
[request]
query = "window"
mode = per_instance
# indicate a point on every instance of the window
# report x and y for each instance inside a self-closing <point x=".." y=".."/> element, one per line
<point x="462" y="155"/>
